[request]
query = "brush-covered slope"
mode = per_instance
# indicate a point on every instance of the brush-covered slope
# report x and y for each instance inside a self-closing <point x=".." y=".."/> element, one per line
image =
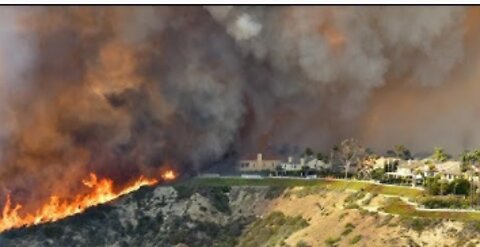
<point x="196" y="215"/>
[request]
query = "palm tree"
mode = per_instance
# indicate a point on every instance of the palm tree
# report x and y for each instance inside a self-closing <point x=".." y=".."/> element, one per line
<point x="439" y="155"/>
<point x="414" y="176"/>
<point x="469" y="158"/>
<point x="441" y="181"/>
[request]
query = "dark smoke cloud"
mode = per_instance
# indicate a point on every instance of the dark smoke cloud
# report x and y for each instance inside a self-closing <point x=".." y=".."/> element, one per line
<point x="123" y="91"/>
<point x="321" y="68"/>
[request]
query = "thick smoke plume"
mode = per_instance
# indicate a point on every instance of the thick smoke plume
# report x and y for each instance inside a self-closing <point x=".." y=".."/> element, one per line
<point x="123" y="91"/>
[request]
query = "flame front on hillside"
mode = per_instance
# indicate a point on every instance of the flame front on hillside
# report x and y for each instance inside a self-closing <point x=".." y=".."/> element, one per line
<point x="101" y="191"/>
<point x="169" y="175"/>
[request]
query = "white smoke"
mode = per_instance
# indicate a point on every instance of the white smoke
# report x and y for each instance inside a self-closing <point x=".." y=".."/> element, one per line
<point x="244" y="28"/>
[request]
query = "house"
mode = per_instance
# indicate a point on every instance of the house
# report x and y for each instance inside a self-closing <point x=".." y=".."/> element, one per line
<point x="409" y="170"/>
<point x="385" y="162"/>
<point x="258" y="164"/>
<point x="418" y="169"/>
<point x="318" y="165"/>
<point x="449" y="170"/>
<point x="371" y="163"/>
<point x="272" y="164"/>
<point x="290" y="165"/>
<point x="298" y="165"/>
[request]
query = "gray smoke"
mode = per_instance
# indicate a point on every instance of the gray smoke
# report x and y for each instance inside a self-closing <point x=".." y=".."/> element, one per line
<point x="123" y="91"/>
<point x="322" y="64"/>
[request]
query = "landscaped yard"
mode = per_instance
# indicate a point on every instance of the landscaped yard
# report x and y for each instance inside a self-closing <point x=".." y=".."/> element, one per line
<point x="333" y="184"/>
<point x="399" y="207"/>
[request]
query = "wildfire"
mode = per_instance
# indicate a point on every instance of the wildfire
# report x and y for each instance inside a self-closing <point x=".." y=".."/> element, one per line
<point x="101" y="191"/>
<point x="169" y="175"/>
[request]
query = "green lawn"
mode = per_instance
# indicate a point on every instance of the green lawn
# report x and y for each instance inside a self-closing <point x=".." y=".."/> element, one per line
<point x="324" y="183"/>
<point x="399" y="207"/>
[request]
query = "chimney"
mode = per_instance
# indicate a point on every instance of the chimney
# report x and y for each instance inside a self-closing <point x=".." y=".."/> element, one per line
<point x="290" y="159"/>
<point x="302" y="161"/>
<point x="259" y="157"/>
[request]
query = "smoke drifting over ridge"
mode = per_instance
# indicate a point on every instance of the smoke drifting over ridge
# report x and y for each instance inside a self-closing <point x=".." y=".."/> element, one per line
<point x="125" y="90"/>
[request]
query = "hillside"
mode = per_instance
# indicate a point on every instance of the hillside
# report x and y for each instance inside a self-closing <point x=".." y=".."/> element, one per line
<point x="233" y="212"/>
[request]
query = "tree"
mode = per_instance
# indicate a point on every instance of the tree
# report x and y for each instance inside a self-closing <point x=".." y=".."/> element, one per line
<point x="443" y="184"/>
<point x="459" y="186"/>
<point x="402" y="152"/>
<point x="370" y="152"/>
<point x="476" y="154"/>
<point x="308" y="152"/>
<point x="469" y="158"/>
<point x="416" y="172"/>
<point x="465" y="158"/>
<point x="439" y="155"/>
<point x="334" y="155"/>
<point x="366" y="163"/>
<point x="305" y="170"/>
<point x="378" y="173"/>
<point x="391" y="153"/>
<point x="432" y="184"/>
<point x="349" y="152"/>
<point x="279" y="169"/>
<point x="320" y="156"/>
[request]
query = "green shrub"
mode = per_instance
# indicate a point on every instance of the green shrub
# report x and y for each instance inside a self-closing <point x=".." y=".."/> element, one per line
<point x="271" y="230"/>
<point x="386" y="220"/>
<point x="355" y="239"/>
<point x="369" y="199"/>
<point x="417" y="224"/>
<point x="218" y="197"/>
<point x="184" y="191"/>
<point x="445" y="202"/>
<point x="437" y="186"/>
<point x="302" y="243"/>
<point x="352" y="206"/>
<point x="274" y="192"/>
<point x="459" y="186"/>
<point x="52" y="231"/>
<point x="349" y="225"/>
<point x="354" y="197"/>
<point x="146" y="224"/>
<point x="473" y="226"/>
<point x="342" y="215"/>
<point x="332" y="241"/>
<point x="347" y="231"/>
<point x="364" y="212"/>
<point x="378" y="174"/>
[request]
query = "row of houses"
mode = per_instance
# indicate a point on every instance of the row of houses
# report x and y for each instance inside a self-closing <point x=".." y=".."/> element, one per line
<point x="414" y="171"/>
<point x="418" y="170"/>
<point x="275" y="164"/>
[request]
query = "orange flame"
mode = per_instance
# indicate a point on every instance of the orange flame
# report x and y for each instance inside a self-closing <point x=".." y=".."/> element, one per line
<point x="169" y="175"/>
<point x="101" y="191"/>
